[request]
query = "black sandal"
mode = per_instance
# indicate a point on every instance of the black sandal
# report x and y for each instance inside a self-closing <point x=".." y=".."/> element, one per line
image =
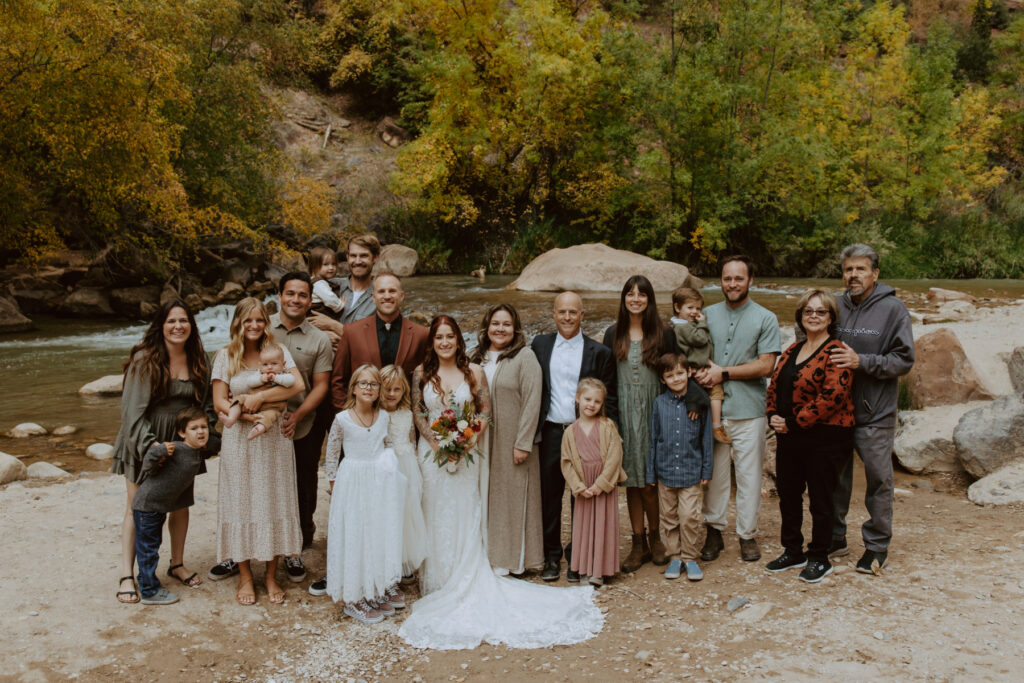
<point x="186" y="581"/>
<point x="132" y="592"/>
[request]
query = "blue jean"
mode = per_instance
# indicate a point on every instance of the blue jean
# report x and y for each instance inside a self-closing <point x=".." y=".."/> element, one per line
<point x="149" y="531"/>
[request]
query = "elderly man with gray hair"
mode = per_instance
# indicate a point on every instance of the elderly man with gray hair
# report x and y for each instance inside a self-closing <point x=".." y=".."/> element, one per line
<point x="878" y="345"/>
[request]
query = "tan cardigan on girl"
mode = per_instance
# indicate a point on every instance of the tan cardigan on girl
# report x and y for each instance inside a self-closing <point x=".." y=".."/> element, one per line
<point x="611" y="453"/>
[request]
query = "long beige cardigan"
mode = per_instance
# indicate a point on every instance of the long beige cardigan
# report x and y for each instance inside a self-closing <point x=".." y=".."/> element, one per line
<point x="515" y="534"/>
<point x="611" y="456"/>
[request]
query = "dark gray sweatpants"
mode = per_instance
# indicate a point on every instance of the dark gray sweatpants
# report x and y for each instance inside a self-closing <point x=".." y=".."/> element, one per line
<point x="874" y="445"/>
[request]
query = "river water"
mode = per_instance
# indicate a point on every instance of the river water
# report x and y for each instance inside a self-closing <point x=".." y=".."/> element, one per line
<point x="42" y="370"/>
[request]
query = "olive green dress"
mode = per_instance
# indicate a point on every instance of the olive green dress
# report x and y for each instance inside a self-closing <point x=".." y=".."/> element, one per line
<point x="638" y="386"/>
<point x="145" y="422"/>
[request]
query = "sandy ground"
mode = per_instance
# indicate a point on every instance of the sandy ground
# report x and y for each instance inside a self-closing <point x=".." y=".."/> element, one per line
<point x="949" y="606"/>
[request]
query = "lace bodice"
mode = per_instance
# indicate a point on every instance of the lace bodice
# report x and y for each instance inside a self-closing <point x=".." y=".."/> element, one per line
<point x="359" y="442"/>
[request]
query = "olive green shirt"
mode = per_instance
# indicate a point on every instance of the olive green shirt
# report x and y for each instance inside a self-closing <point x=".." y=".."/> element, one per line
<point x="312" y="353"/>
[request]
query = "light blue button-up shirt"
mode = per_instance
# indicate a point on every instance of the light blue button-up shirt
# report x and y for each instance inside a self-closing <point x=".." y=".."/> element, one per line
<point x="740" y="335"/>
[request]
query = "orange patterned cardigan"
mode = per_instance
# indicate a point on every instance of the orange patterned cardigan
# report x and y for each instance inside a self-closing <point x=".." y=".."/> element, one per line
<point x="822" y="393"/>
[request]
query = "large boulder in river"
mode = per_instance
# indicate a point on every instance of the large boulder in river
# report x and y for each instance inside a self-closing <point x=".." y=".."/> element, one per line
<point x="942" y="374"/>
<point x="1005" y="485"/>
<point x="11" y="469"/>
<point x="924" y="438"/>
<point x="108" y="385"/>
<point x="86" y="302"/>
<point x="991" y="436"/>
<point x="939" y="295"/>
<point x="399" y="259"/>
<point x="11" y="319"/>
<point x="599" y="268"/>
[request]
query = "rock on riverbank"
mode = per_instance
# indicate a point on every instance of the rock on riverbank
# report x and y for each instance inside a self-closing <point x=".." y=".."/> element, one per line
<point x="599" y="268"/>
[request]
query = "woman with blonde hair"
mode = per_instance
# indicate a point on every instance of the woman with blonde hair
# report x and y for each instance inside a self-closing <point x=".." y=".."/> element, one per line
<point x="257" y="508"/>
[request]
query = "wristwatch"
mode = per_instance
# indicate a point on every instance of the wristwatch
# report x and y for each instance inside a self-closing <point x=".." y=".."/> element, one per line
<point x="725" y="375"/>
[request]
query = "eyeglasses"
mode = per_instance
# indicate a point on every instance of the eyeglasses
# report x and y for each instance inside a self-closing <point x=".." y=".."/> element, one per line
<point x="363" y="384"/>
<point x="816" y="312"/>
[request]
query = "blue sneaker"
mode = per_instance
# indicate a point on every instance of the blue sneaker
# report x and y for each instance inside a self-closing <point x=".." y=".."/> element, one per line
<point x="693" y="572"/>
<point x="674" y="569"/>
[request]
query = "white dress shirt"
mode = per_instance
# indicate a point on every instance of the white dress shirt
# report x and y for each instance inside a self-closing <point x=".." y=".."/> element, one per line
<point x="566" y="363"/>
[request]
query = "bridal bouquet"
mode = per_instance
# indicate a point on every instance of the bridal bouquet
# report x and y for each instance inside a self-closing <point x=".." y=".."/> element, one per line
<point x="456" y="430"/>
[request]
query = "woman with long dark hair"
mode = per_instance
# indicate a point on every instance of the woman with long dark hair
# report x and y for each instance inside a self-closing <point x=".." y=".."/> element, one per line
<point x="637" y="340"/>
<point x="515" y="533"/>
<point x="464" y="603"/>
<point x="165" y="373"/>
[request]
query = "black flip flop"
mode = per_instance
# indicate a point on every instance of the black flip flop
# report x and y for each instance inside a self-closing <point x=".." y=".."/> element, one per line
<point x="170" y="573"/>
<point x="131" y="592"/>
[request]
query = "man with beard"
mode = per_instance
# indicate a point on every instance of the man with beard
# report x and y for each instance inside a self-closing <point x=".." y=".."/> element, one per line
<point x="361" y="254"/>
<point x="746" y="340"/>
<point x="878" y="345"/>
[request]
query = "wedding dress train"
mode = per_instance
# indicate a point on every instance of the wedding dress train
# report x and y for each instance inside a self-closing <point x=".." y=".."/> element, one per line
<point x="464" y="603"/>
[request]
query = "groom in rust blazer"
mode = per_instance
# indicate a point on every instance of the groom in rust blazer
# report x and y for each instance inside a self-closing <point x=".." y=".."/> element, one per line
<point x="384" y="338"/>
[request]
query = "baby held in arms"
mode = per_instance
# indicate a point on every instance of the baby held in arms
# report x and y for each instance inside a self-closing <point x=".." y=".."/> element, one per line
<point x="271" y="373"/>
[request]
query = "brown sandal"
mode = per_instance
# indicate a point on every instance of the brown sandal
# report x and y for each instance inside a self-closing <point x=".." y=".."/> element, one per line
<point x="275" y="597"/>
<point x="238" y="593"/>
<point x="132" y="592"/>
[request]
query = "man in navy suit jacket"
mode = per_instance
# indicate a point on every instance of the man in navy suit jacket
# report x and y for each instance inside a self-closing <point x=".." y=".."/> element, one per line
<point x="566" y="357"/>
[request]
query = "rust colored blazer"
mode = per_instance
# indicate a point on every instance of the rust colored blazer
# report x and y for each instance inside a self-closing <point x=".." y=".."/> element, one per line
<point x="358" y="346"/>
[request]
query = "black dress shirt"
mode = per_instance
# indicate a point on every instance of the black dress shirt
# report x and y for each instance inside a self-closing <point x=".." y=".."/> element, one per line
<point x="388" y="336"/>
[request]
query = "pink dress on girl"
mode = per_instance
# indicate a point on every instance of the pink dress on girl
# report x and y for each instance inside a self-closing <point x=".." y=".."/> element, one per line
<point x="595" y="528"/>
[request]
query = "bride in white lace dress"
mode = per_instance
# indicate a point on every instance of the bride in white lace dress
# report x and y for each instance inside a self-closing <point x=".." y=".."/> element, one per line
<point x="464" y="603"/>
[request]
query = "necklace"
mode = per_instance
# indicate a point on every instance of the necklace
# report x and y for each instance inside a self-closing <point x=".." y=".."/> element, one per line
<point x="359" y="420"/>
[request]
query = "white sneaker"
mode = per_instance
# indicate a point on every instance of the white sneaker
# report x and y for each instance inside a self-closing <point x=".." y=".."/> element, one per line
<point x="361" y="611"/>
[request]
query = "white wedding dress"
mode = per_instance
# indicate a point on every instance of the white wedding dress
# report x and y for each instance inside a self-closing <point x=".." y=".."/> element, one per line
<point x="464" y="603"/>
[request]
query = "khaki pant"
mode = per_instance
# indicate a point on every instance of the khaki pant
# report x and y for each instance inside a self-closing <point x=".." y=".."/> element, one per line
<point x="680" y="521"/>
<point x="747" y="453"/>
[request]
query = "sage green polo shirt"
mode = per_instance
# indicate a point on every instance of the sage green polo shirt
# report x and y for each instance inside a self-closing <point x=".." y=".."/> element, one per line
<point x="740" y="335"/>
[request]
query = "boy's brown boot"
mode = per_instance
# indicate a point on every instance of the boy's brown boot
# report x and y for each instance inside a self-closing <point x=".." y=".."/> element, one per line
<point x="720" y="435"/>
<point x="659" y="555"/>
<point x="635" y="558"/>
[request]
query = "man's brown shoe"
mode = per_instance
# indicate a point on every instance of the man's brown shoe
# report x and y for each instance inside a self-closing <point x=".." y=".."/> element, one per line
<point x="749" y="550"/>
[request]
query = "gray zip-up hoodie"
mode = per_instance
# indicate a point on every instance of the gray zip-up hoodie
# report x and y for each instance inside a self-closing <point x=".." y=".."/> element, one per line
<point x="879" y="330"/>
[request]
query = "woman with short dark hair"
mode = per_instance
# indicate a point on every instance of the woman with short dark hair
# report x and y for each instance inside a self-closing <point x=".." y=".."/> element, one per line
<point x="810" y="407"/>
